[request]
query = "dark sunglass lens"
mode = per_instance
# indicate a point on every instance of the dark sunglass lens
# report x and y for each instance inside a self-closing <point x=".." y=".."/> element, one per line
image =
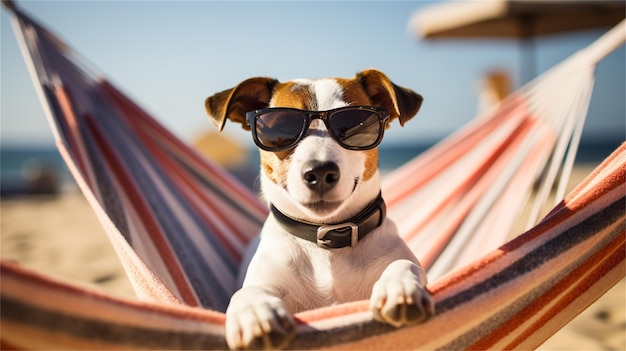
<point x="356" y="128"/>
<point x="279" y="129"/>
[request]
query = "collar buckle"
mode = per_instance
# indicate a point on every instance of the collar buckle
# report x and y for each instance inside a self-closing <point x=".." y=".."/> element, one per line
<point x="322" y="231"/>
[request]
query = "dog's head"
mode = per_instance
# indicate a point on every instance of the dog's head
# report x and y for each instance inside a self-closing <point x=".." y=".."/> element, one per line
<point x="330" y="173"/>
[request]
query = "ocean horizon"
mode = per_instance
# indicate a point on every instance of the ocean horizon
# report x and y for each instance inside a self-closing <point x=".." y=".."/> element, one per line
<point x="19" y="162"/>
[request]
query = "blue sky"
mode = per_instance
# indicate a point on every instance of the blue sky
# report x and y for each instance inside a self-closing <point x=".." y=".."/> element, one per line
<point x="170" y="55"/>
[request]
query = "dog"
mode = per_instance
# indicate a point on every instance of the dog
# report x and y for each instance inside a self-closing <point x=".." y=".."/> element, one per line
<point x="326" y="240"/>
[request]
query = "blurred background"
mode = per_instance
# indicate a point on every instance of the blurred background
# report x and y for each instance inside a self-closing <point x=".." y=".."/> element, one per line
<point x="168" y="56"/>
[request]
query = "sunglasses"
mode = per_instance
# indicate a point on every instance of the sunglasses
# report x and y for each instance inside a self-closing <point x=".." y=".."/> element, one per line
<point x="353" y="127"/>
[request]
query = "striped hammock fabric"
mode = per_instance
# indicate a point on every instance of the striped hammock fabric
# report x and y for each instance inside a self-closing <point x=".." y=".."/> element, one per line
<point x="180" y="224"/>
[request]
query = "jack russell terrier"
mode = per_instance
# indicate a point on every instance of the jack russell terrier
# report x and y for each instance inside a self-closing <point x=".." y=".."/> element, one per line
<point x="326" y="240"/>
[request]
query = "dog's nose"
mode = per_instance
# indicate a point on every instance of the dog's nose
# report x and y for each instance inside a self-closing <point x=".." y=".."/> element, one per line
<point x="320" y="176"/>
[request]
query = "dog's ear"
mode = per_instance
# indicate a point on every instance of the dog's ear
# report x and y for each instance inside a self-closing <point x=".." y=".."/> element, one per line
<point x="251" y="94"/>
<point x="401" y="102"/>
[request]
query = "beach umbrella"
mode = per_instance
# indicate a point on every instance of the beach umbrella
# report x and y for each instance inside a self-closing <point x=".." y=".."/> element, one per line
<point x="514" y="19"/>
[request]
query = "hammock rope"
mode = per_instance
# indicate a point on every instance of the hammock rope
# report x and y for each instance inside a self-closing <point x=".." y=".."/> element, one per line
<point x="180" y="224"/>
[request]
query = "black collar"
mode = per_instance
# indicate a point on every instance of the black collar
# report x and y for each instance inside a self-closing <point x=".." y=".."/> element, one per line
<point x="335" y="236"/>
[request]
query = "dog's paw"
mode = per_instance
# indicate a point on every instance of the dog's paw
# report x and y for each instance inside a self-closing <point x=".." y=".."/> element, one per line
<point x="260" y="322"/>
<point x="398" y="298"/>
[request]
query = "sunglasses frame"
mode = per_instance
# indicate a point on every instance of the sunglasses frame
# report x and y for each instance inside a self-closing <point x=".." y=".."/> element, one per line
<point x="253" y="116"/>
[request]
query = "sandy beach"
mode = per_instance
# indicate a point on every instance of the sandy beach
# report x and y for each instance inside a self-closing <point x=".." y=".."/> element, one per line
<point x="60" y="236"/>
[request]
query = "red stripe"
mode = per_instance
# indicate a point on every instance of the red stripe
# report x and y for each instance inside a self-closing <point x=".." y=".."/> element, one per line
<point x="616" y="157"/>
<point x="75" y="141"/>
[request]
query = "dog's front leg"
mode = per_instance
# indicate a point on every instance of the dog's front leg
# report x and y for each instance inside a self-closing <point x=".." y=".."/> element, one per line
<point x="255" y="319"/>
<point x="399" y="296"/>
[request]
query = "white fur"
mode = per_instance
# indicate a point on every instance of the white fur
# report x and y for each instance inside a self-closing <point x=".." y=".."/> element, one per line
<point x="287" y="274"/>
<point x="328" y="94"/>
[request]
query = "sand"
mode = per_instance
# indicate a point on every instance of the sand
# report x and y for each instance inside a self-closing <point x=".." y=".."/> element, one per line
<point x="60" y="236"/>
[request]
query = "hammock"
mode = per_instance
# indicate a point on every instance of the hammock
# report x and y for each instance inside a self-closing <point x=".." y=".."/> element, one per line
<point x="180" y="224"/>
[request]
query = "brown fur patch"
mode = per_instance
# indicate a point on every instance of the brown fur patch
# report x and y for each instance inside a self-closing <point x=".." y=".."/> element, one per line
<point x="353" y="92"/>
<point x="275" y="166"/>
<point x="371" y="163"/>
<point x="294" y="95"/>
